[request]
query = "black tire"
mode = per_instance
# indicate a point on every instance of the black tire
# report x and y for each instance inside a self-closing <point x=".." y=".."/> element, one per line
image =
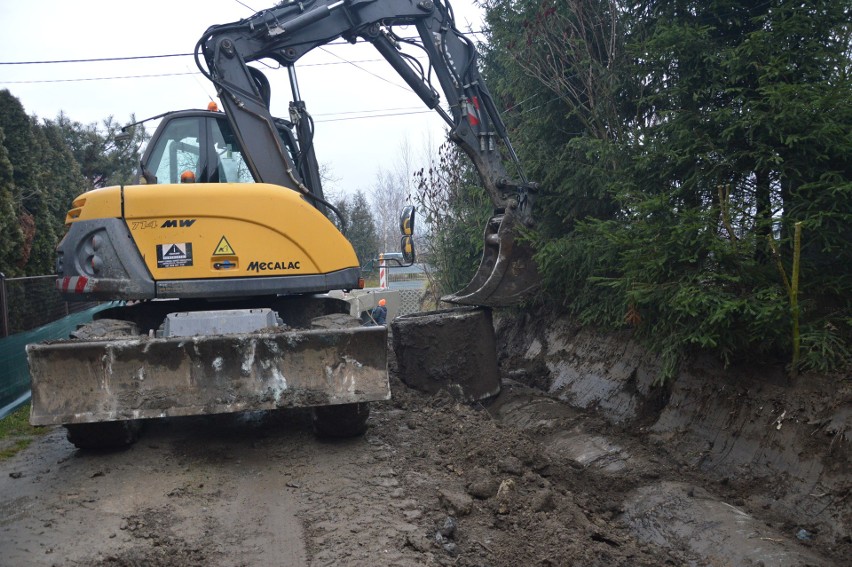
<point x="340" y="421"/>
<point x="106" y="435"/>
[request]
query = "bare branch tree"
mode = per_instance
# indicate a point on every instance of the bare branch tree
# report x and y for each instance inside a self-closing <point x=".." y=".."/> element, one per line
<point x="389" y="193"/>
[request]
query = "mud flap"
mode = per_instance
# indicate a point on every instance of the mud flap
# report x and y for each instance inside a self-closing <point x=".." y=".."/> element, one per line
<point x="130" y="378"/>
<point x="507" y="273"/>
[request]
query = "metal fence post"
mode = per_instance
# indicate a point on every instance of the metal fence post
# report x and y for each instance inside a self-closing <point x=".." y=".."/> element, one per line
<point x="4" y="309"/>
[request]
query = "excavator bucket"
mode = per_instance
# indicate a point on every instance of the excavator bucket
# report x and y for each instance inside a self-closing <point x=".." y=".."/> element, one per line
<point x="507" y="274"/>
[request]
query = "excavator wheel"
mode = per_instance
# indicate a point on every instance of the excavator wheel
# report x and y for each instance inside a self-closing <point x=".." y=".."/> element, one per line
<point x="106" y="435"/>
<point x="340" y="421"/>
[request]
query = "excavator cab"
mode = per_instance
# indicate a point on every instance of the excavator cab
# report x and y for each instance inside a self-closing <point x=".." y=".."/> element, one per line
<point x="197" y="141"/>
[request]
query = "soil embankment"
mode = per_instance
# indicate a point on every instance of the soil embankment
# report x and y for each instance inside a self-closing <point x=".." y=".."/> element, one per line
<point x="768" y="447"/>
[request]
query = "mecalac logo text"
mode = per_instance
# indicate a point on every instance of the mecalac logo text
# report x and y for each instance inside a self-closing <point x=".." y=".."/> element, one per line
<point x="272" y="266"/>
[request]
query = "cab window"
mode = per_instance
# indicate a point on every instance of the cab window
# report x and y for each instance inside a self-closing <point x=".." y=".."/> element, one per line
<point x="230" y="165"/>
<point x="178" y="152"/>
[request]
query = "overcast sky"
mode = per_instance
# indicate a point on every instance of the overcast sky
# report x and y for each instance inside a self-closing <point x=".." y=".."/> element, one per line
<point x="341" y="84"/>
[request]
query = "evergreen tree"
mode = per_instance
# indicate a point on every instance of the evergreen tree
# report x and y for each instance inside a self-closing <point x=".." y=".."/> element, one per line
<point x="61" y="175"/>
<point x="362" y="229"/>
<point x="44" y="220"/>
<point x="11" y="238"/>
<point x="677" y="143"/>
<point x="748" y="113"/>
<point x="24" y="149"/>
<point x="102" y="160"/>
<point x="556" y="67"/>
<point x="342" y="221"/>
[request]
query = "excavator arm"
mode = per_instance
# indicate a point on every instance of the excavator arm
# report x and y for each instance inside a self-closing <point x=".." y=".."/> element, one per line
<point x="287" y="32"/>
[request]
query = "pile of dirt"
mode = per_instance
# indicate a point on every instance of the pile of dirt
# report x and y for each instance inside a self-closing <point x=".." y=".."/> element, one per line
<point x="488" y="496"/>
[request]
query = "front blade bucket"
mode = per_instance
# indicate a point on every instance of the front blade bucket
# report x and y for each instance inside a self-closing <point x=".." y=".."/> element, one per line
<point x="507" y="274"/>
<point x="129" y="378"/>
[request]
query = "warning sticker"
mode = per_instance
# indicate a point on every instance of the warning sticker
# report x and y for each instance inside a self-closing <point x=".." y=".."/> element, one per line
<point x="175" y="255"/>
<point x="224" y="248"/>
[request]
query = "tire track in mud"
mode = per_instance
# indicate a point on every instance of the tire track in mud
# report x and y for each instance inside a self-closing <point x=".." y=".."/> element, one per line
<point x="191" y="492"/>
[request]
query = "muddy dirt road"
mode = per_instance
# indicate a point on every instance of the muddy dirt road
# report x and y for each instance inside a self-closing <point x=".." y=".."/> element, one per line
<point x="529" y="481"/>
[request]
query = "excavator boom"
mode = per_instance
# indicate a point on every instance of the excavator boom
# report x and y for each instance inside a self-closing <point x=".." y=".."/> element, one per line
<point x="285" y="33"/>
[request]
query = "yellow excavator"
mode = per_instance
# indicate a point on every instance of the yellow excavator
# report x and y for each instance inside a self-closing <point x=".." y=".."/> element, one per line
<point x="222" y="257"/>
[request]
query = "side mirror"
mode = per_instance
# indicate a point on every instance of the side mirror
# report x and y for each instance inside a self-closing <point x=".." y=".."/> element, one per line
<point x="123" y="136"/>
<point x="407" y="246"/>
<point x="406" y="221"/>
<point x="406" y="227"/>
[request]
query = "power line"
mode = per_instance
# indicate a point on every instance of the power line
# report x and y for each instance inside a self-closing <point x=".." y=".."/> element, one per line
<point x="97" y="60"/>
<point x="362" y="69"/>
<point x="407" y="110"/>
<point x="95" y="78"/>
<point x="374" y="116"/>
<point x="168" y="74"/>
<point x="245" y="5"/>
<point x="136" y="57"/>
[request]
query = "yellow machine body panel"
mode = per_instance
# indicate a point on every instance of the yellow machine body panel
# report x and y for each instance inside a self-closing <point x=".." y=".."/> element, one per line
<point x="96" y="204"/>
<point x="222" y="230"/>
<point x="272" y="337"/>
<point x="211" y="230"/>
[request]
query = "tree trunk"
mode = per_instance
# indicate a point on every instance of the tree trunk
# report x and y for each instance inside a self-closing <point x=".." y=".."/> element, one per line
<point x="763" y="213"/>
